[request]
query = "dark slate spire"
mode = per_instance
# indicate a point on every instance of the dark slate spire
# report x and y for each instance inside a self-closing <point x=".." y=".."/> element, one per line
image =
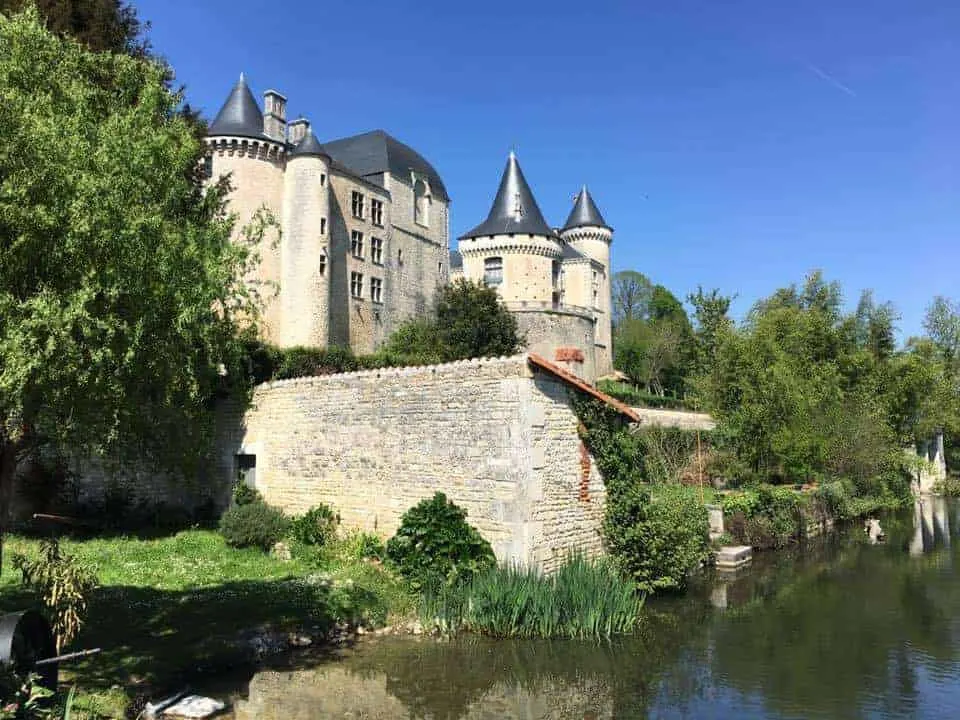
<point x="309" y="146"/>
<point x="240" y="114"/>
<point x="585" y="212"/>
<point x="514" y="209"/>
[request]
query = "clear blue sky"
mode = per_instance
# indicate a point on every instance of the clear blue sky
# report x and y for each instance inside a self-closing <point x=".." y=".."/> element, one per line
<point x="732" y="144"/>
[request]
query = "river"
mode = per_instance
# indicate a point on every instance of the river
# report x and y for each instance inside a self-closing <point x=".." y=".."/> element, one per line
<point x="837" y="629"/>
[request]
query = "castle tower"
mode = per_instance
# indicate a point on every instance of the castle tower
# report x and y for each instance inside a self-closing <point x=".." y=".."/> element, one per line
<point x="238" y="146"/>
<point x="514" y="249"/>
<point x="589" y="236"/>
<point x="305" y="249"/>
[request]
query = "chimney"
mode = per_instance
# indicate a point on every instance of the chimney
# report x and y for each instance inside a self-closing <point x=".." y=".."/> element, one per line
<point x="298" y="130"/>
<point x="275" y="115"/>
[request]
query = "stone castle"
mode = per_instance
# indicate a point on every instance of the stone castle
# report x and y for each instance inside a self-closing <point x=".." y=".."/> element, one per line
<point x="363" y="241"/>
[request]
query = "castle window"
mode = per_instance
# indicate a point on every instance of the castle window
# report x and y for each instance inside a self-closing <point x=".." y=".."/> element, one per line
<point x="323" y="180"/>
<point x="247" y="470"/>
<point x="493" y="271"/>
<point x="356" y="244"/>
<point x="356" y="284"/>
<point x="322" y="263"/>
<point x="208" y="166"/>
<point x="323" y="226"/>
<point x="376" y="289"/>
<point x="422" y="200"/>
<point x="376" y="250"/>
<point x="356" y="204"/>
<point x="399" y="256"/>
<point x="440" y="268"/>
<point x="376" y="212"/>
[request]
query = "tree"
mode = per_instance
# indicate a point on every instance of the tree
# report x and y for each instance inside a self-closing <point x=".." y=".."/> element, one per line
<point x="469" y="321"/>
<point x="631" y="295"/>
<point x="101" y="25"/>
<point x="942" y="324"/>
<point x="711" y="317"/>
<point x="120" y="290"/>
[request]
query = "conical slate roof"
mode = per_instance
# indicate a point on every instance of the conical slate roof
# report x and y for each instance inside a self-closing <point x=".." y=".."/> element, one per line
<point x="585" y="212"/>
<point x="514" y="209"/>
<point x="309" y="146"/>
<point x="240" y="114"/>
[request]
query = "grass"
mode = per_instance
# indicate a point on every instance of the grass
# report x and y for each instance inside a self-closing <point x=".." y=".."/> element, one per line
<point x="584" y="599"/>
<point x="169" y="610"/>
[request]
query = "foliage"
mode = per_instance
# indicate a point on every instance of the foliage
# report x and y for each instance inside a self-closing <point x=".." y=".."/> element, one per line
<point x="659" y="537"/>
<point x="765" y="517"/>
<point x="255" y="524"/>
<point x="472" y="321"/>
<point x="436" y="546"/>
<point x="670" y="452"/>
<point x="415" y="342"/>
<point x="304" y="361"/>
<point x="64" y="583"/>
<point x="949" y="486"/>
<point x="23" y="698"/>
<point x="244" y="494"/>
<point x="631" y="292"/>
<point x="635" y="397"/>
<point x="583" y="599"/>
<point x="711" y="315"/>
<point x="317" y="526"/>
<point x="120" y="290"/>
<point x="101" y="25"/>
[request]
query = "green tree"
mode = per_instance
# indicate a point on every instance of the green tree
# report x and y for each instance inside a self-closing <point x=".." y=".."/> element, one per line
<point x="942" y="325"/>
<point x="631" y="293"/>
<point x="711" y="314"/>
<point x="469" y="321"/>
<point x="101" y="25"/>
<point x="119" y="287"/>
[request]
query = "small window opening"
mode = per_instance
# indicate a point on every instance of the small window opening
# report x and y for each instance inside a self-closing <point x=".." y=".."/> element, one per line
<point x="247" y="470"/>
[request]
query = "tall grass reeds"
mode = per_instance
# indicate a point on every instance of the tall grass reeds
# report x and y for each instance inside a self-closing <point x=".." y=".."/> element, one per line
<point x="583" y="599"/>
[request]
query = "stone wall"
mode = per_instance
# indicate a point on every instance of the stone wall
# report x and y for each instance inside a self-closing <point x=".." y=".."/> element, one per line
<point x="683" y="419"/>
<point x="547" y="331"/>
<point x="497" y="436"/>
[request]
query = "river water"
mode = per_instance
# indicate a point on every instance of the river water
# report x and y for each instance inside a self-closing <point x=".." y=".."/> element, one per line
<point x="838" y="629"/>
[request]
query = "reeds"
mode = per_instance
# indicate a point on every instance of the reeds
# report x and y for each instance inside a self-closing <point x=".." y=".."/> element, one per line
<point x="583" y="599"/>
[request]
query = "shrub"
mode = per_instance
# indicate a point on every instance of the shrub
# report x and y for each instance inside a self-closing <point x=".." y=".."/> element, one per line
<point x="255" y="524"/>
<point x="436" y="546"/>
<point x="949" y="486"/>
<point x="658" y="538"/>
<point x="243" y="494"/>
<point x="309" y="361"/>
<point x="583" y="599"/>
<point x="767" y="517"/>
<point x="318" y="526"/>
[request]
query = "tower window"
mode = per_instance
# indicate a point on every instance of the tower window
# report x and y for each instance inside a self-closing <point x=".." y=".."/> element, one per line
<point x="356" y="204"/>
<point x="493" y="271"/>
<point x="399" y="256"/>
<point x="376" y="212"/>
<point x="376" y="250"/>
<point x="323" y="226"/>
<point x="440" y="268"/>
<point x="322" y="263"/>
<point x="247" y="470"/>
<point x="356" y="244"/>
<point x="323" y="179"/>
<point x="356" y="284"/>
<point x="376" y="289"/>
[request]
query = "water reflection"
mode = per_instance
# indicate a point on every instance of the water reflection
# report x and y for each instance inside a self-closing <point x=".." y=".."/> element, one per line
<point x="841" y="630"/>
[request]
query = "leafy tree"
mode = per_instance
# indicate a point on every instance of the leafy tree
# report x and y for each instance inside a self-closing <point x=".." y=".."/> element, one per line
<point x="119" y="287"/>
<point x="711" y="314"/>
<point x="101" y="25"/>
<point x="631" y="292"/>
<point x="469" y="321"/>
<point x="942" y="324"/>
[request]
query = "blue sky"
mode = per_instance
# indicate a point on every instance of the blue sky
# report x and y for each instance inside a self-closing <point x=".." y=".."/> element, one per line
<point x="732" y="144"/>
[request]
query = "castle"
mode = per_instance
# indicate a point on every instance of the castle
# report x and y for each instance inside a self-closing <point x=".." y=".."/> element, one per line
<point x="363" y="241"/>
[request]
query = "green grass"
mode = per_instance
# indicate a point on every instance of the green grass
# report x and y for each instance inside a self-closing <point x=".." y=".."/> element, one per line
<point x="584" y="599"/>
<point x="169" y="610"/>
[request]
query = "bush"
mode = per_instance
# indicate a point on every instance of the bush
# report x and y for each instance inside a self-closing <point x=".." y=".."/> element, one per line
<point x="658" y="538"/>
<point x="436" y="546"/>
<point x="243" y="494"/>
<point x="255" y="524"/>
<point x="949" y="486"/>
<point x="298" y="362"/>
<point x="318" y="526"/>
<point x="767" y="517"/>
<point x="583" y="599"/>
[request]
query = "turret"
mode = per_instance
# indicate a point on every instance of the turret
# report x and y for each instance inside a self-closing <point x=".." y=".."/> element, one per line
<point x="514" y="249"/>
<point x="305" y="249"/>
<point x="587" y="234"/>
<point x="238" y="146"/>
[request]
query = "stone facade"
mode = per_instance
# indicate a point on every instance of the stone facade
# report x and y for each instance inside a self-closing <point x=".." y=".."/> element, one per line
<point x="498" y="436"/>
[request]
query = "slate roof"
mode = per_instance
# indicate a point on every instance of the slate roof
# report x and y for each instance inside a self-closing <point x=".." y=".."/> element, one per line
<point x="240" y="114"/>
<point x="514" y="193"/>
<point x="585" y="212"/>
<point x="308" y="146"/>
<point x="376" y="151"/>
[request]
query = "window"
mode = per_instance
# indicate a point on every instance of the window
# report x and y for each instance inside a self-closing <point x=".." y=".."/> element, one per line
<point x="376" y="289"/>
<point x="208" y="166"/>
<point x="356" y="204"/>
<point x="376" y="212"/>
<point x="323" y="180"/>
<point x="322" y="263"/>
<point x="356" y="284"/>
<point x="440" y="268"/>
<point x="421" y="203"/>
<point x="356" y="243"/>
<point x="493" y="271"/>
<point x="399" y="256"/>
<point x="247" y="470"/>
<point x="376" y="250"/>
<point x="323" y="226"/>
